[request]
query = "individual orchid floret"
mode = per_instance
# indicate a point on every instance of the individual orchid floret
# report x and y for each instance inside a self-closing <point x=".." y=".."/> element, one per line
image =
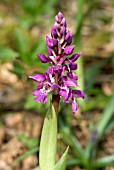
<point x="68" y="38"/>
<point x="75" y="57"/>
<point x="43" y="58"/>
<point x="68" y="50"/>
<point x="59" y="78"/>
<point x="51" y="42"/>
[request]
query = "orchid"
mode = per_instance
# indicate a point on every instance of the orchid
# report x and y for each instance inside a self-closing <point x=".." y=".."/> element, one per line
<point x="59" y="78"/>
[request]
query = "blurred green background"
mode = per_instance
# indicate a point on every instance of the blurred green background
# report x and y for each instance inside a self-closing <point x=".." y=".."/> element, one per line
<point x="23" y="27"/>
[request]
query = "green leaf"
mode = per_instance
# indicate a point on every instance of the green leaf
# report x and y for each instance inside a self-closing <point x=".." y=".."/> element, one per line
<point x="48" y="142"/>
<point x="39" y="47"/>
<point x="106" y="122"/>
<point x="92" y="72"/>
<point x="30" y="104"/>
<point x="28" y="153"/>
<point x="28" y="142"/>
<point x="7" y="54"/>
<point x="103" y="162"/>
<point x="73" y="162"/>
<point x="105" y="118"/>
<point x="18" y="69"/>
<point x="72" y="141"/>
<point x="61" y="165"/>
<point x="21" y="43"/>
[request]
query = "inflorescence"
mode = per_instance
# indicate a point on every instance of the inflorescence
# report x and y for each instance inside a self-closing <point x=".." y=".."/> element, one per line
<point x="59" y="78"/>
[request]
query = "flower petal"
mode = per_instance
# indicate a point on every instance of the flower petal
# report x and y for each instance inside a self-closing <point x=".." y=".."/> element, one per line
<point x="73" y="66"/>
<point x="50" y="70"/>
<point x="38" y="77"/>
<point x="74" y="106"/>
<point x="64" y="93"/>
<point x="63" y="31"/>
<point x="72" y="75"/>
<point x="53" y="31"/>
<point x="70" y="83"/>
<point x="68" y="38"/>
<point x="75" y="57"/>
<point x="63" y="22"/>
<point x="41" y="96"/>
<point x="59" y="17"/>
<point x="43" y="58"/>
<point x="68" y="50"/>
<point x="51" y="42"/>
<point x="78" y="94"/>
<point x="49" y="51"/>
<point x="40" y="85"/>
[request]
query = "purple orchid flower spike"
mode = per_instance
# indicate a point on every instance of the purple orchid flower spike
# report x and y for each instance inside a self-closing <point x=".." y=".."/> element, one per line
<point x="59" y="77"/>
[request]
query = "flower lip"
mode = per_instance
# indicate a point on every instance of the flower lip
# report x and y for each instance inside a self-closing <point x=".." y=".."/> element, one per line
<point x="74" y="106"/>
<point x="41" y="96"/>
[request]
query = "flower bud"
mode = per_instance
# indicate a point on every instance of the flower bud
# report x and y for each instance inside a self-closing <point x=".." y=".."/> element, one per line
<point x="51" y="42"/>
<point x="43" y="58"/>
<point x="69" y="49"/>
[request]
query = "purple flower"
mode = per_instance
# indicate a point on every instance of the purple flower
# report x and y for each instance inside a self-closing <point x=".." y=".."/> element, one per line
<point x="75" y="57"/>
<point x="41" y="95"/>
<point x="38" y="77"/>
<point x="68" y="38"/>
<point x="68" y="50"/>
<point x="51" y="42"/>
<point x="74" y="106"/>
<point x="43" y="58"/>
<point x="59" y="77"/>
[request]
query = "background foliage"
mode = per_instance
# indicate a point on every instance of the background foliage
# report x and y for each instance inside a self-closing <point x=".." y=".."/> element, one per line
<point x="23" y="27"/>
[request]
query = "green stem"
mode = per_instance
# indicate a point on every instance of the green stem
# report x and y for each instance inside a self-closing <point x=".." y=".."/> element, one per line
<point x="55" y="102"/>
<point x="56" y="97"/>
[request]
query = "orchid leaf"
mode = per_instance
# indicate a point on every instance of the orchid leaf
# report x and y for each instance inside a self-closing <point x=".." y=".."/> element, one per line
<point x="105" y="123"/>
<point x="105" y="118"/>
<point x="47" y="153"/>
<point x="28" y="153"/>
<point x="61" y="164"/>
<point x="72" y="141"/>
<point x="21" y="42"/>
<point x="7" y="54"/>
<point x="105" y="161"/>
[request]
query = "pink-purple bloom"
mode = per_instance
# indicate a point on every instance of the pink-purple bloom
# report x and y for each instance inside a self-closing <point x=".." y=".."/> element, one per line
<point x="59" y="49"/>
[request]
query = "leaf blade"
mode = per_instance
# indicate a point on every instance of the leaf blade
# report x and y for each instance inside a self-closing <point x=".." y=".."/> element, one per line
<point x="7" y="54"/>
<point x="61" y="164"/>
<point x="47" y="153"/>
<point x="105" y="161"/>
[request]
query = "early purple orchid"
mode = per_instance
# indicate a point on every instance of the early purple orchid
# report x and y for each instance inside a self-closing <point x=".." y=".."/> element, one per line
<point x="59" y="78"/>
